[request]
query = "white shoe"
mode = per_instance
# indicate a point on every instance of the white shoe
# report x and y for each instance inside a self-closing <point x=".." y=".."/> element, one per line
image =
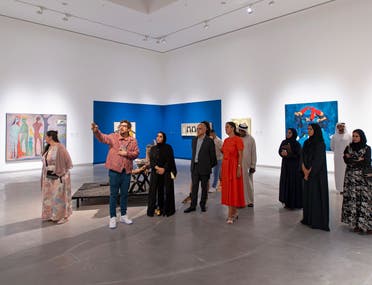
<point x="112" y="224"/>
<point x="211" y="190"/>
<point x="124" y="219"/>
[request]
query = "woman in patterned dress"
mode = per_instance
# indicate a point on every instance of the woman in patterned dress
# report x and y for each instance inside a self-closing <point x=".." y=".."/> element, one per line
<point x="357" y="197"/>
<point x="55" y="181"/>
<point x="232" y="190"/>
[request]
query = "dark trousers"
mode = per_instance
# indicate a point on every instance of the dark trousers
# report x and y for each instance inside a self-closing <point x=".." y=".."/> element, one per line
<point x="156" y="193"/>
<point x="196" y="177"/>
<point x="119" y="181"/>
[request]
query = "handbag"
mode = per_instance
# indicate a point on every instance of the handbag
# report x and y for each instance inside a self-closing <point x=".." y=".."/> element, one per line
<point x="51" y="175"/>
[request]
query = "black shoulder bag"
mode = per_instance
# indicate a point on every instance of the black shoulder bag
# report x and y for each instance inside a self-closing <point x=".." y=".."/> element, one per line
<point x="50" y="174"/>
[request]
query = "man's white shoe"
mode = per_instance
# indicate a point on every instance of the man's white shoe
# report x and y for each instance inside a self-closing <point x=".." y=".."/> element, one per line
<point x="124" y="219"/>
<point x="112" y="224"/>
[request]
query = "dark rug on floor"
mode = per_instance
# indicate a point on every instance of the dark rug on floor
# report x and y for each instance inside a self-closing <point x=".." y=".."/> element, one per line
<point x="100" y="193"/>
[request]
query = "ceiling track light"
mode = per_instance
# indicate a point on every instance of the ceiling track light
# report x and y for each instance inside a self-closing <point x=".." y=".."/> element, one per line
<point x="40" y="11"/>
<point x="66" y="17"/>
<point x="147" y="38"/>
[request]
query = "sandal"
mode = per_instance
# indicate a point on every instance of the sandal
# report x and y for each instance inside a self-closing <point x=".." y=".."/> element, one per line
<point x="62" y="221"/>
<point x="230" y="220"/>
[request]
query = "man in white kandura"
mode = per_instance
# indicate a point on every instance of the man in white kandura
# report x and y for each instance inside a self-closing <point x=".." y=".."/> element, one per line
<point x="248" y="163"/>
<point x="339" y="141"/>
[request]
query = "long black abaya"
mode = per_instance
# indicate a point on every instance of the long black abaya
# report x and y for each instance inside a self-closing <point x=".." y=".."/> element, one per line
<point x="315" y="194"/>
<point x="291" y="184"/>
<point x="161" y="193"/>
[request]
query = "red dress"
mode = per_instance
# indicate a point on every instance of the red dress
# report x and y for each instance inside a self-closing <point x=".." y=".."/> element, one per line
<point x="232" y="187"/>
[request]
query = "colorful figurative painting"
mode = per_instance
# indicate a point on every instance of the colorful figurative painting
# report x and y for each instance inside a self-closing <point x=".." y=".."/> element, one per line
<point x="25" y="134"/>
<point x="299" y="116"/>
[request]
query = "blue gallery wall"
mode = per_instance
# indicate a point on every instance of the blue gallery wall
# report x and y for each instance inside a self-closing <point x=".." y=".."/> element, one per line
<point x="153" y="118"/>
<point x="175" y="115"/>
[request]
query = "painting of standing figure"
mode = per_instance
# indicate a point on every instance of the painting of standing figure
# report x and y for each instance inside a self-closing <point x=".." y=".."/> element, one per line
<point x="25" y="134"/>
<point x="299" y="116"/>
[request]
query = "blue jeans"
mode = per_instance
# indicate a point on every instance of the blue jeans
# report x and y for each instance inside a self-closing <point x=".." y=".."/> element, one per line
<point x="216" y="173"/>
<point x="118" y="181"/>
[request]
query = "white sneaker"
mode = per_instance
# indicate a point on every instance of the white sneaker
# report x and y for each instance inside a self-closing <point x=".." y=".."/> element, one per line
<point x="112" y="224"/>
<point x="124" y="219"/>
<point x="211" y="190"/>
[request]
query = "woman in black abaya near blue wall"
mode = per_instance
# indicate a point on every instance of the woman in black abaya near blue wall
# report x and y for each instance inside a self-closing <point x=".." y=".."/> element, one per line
<point x="314" y="168"/>
<point x="290" y="185"/>
<point x="163" y="172"/>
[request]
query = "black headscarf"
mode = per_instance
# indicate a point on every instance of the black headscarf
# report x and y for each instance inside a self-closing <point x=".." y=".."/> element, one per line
<point x="294" y="134"/>
<point x="310" y="146"/>
<point x="162" y="155"/>
<point x="164" y="138"/>
<point x="362" y="143"/>
<point x="318" y="135"/>
<point x="292" y="141"/>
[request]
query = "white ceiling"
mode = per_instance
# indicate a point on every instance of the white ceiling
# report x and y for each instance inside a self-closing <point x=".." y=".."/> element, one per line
<point x="144" y="23"/>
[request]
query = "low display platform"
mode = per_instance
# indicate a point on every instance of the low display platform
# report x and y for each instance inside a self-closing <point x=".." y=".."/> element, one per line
<point x="138" y="189"/>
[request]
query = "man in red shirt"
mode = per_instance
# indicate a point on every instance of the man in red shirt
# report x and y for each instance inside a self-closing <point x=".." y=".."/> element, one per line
<point x="123" y="149"/>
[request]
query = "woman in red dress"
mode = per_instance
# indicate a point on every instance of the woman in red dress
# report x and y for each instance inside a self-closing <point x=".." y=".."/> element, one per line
<point x="231" y="172"/>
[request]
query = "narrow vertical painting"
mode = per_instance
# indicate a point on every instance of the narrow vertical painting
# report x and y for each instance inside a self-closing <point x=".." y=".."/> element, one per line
<point x="25" y="134"/>
<point x="299" y="116"/>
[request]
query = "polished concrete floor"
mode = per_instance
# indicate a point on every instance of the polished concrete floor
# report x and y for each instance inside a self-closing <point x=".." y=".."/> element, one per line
<point x="266" y="246"/>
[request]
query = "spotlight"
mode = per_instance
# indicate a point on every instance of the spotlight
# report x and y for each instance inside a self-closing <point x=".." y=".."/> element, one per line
<point x="146" y="38"/>
<point x="249" y="10"/>
<point x="41" y="10"/>
<point x="206" y="26"/>
<point x="66" y="17"/>
<point x="271" y="2"/>
<point x="163" y="41"/>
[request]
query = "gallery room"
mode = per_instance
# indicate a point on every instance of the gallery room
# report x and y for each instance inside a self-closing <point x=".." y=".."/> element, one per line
<point x="166" y="66"/>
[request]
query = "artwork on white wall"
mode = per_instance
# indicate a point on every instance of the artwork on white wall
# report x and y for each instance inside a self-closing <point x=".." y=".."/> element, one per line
<point x="243" y="120"/>
<point x="25" y="134"/>
<point x="300" y="115"/>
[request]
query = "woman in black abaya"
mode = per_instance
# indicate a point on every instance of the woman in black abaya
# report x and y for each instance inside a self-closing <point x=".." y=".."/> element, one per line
<point x="290" y="185"/>
<point x="163" y="172"/>
<point x="314" y="168"/>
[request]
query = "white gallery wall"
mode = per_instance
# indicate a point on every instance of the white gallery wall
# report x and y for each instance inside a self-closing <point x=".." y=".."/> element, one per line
<point x="321" y="54"/>
<point x="47" y="71"/>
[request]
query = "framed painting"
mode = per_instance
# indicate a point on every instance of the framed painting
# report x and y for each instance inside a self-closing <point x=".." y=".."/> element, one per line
<point x="189" y="129"/>
<point x="25" y="134"/>
<point x="243" y="120"/>
<point x="299" y="116"/>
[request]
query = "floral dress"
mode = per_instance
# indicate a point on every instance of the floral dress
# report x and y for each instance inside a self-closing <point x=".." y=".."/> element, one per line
<point x="56" y="193"/>
<point x="357" y="196"/>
